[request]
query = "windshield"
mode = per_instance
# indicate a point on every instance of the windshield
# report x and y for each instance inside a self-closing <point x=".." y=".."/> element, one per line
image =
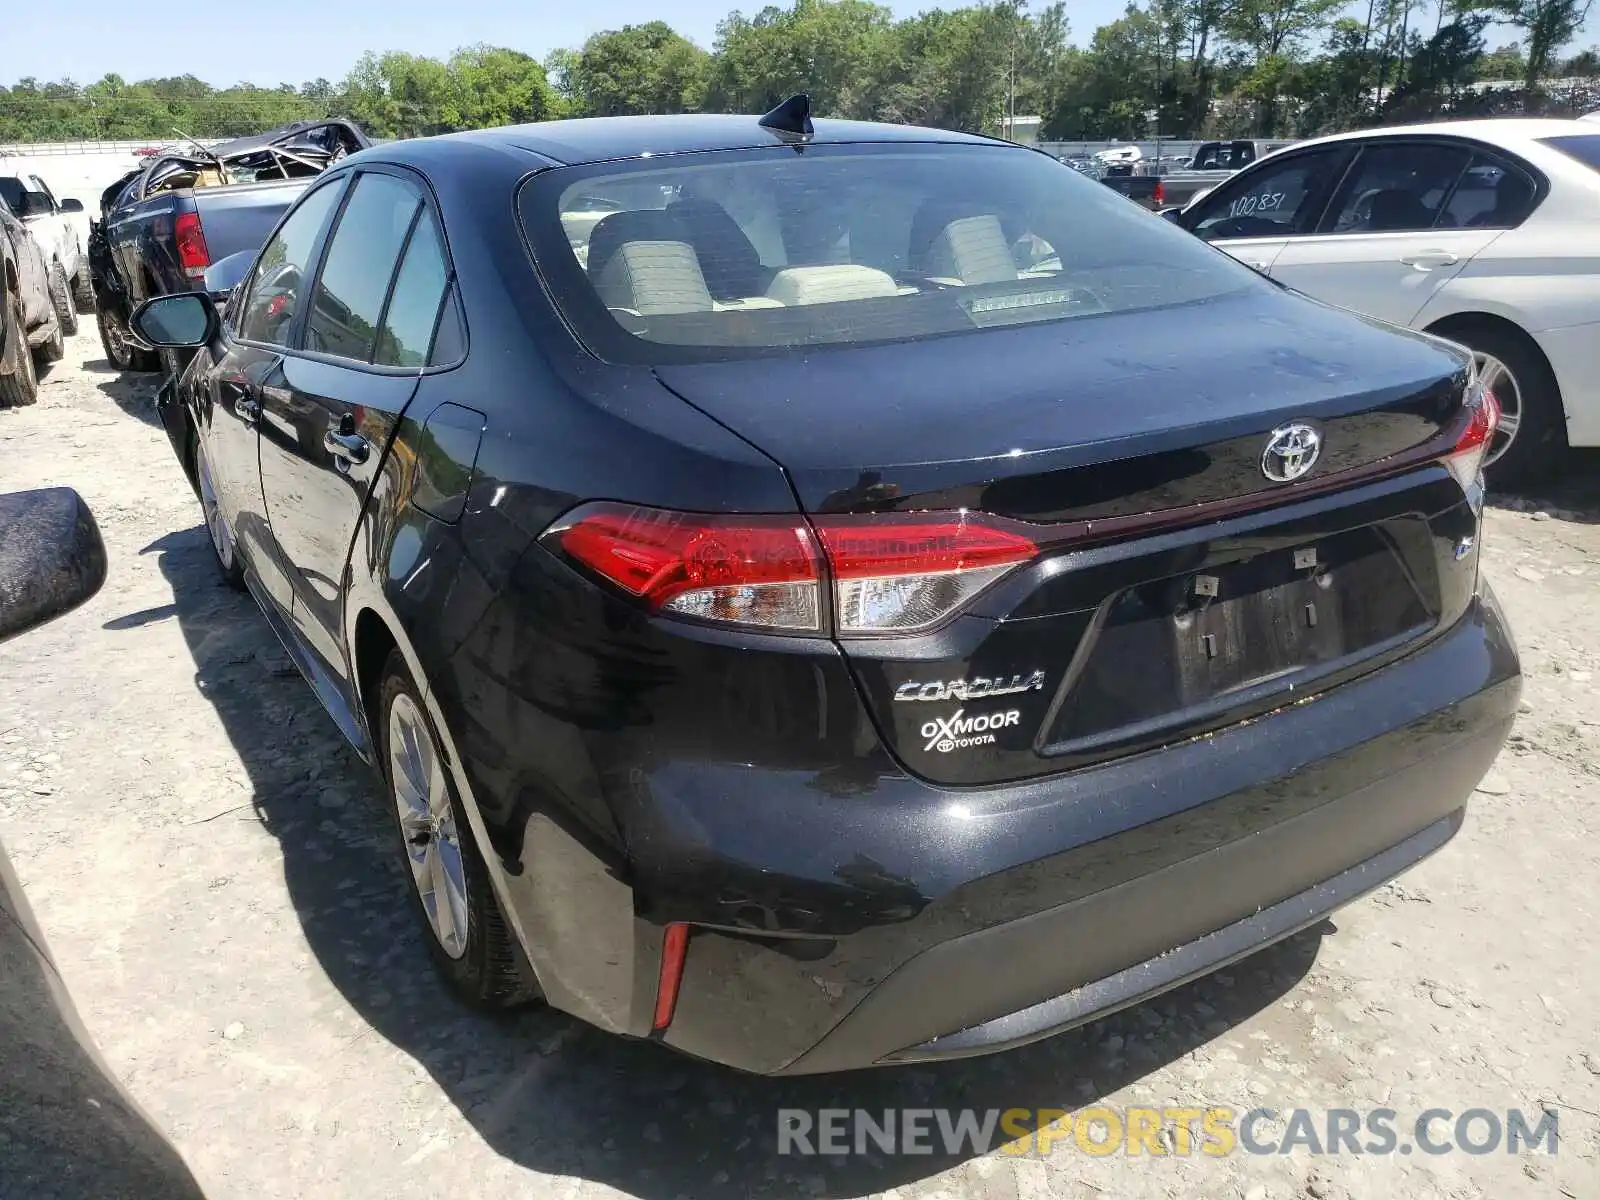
<point x="1585" y="147"/>
<point x="705" y="256"/>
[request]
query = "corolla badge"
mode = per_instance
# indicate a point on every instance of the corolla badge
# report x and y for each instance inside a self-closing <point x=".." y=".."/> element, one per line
<point x="970" y="689"/>
<point x="1292" y="450"/>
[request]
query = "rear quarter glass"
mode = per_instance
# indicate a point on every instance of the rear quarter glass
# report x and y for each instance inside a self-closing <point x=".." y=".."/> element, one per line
<point x="707" y="256"/>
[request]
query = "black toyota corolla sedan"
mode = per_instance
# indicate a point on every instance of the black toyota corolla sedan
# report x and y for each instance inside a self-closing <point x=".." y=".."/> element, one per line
<point x="835" y="594"/>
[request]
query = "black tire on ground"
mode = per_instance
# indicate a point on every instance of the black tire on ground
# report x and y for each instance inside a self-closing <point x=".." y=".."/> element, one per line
<point x="55" y="348"/>
<point x="21" y="386"/>
<point x="121" y="353"/>
<point x="61" y="300"/>
<point x="1539" y="448"/>
<point x="486" y="975"/>
<point x="83" y="289"/>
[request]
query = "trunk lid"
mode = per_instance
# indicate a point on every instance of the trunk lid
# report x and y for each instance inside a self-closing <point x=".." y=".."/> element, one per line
<point x="1178" y="588"/>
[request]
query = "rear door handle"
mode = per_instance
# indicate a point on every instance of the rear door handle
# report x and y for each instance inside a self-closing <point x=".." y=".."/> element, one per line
<point x="348" y="447"/>
<point x="1427" y="260"/>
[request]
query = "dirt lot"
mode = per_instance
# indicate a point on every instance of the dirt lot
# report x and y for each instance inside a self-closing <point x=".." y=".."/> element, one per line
<point x="214" y="874"/>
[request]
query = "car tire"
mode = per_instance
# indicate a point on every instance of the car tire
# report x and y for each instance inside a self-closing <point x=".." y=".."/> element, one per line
<point x="21" y="386"/>
<point x="83" y="289"/>
<point x="61" y="300"/>
<point x="225" y="550"/>
<point x="445" y="873"/>
<point x="120" y="352"/>
<point x="54" y="348"/>
<point x="1530" y="401"/>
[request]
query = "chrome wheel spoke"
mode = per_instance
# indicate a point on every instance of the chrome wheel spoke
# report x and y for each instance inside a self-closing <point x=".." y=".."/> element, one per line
<point x="1497" y="377"/>
<point x="427" y="823"/>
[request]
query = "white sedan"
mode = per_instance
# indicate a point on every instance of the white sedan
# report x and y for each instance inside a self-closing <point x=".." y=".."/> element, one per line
<point x="1484" y="232"/>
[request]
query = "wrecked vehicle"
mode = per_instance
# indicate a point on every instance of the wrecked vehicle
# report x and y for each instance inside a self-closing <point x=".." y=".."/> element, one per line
<point x="188" y="206"/>
<point x="30" y="328"/>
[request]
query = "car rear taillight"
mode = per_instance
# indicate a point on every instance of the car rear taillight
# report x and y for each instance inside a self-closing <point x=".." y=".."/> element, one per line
<point x="1159" y="196"/>
<point x="193" y="254"/>
<point x="898" y="573"/>
<point x="886" y="573"/>
<point x="748" y="570"/>
<point x="1465" y="459"/>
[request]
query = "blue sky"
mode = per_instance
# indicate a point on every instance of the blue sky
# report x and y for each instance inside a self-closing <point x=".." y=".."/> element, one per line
<point x="295" y="40"/>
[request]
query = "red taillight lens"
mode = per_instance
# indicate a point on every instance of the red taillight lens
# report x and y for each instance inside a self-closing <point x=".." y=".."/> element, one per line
<point x="674" y="947"/>
<point x="904" y="572"/>
<point x="1160" y="194"/>
<point x="749" y="570"/>
<point x="890" y="573"/>
<point x="193" y="254"/>
<point x="1465" y="459"/>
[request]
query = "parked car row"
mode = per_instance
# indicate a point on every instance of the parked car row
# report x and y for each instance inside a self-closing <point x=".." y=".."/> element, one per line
<point x="36" y="310"/>
<point x="790" y="611"/>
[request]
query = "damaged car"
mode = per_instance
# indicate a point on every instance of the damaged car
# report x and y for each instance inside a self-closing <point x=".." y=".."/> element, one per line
<point x="187" y="206"/>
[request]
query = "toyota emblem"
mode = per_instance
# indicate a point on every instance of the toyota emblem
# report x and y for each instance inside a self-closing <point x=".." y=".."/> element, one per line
<point x="1292" y="450"/>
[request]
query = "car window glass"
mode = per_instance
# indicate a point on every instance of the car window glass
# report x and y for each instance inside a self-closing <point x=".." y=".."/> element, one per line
<point x="450" y="342"/>
<point x="1489" y="195"/>
<point x="1397" y="186"/>
<point x="414" y="303"/>
<point x="359" y="265"/>
<point x="274" y="290"/>
<point x="11" y="191"/>
<point x="715" y="255"/>
<point x="1272" y="201"/>
<point x="1584" y="147"/>
<point x="39" y="185"/>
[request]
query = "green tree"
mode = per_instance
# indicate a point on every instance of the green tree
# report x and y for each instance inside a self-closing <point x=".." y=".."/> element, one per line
<point x="637" y="69"/>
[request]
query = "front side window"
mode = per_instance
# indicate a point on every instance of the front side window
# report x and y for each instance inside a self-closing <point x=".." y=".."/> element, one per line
<point x="703" y="256"/>
<point x="273" y="294"/>
<point x="359" y="266"/>
<point x="1398" y="187"/>
<point x="1274" y="200"/>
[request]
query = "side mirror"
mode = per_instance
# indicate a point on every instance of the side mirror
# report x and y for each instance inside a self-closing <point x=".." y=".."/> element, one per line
<point x="1172" y="214"/>
<point x="226" y="274"/>
<point x="35" y="204"/>
<point x="51" y="557"/>
<point x="72" y="206"/>
<point x="175" y="321"/>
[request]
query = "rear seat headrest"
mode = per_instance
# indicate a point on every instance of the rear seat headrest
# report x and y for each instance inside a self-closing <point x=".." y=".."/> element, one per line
<point x="635" y="225"/>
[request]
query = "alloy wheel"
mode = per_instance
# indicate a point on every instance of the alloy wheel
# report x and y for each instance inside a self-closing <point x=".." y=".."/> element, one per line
<point x="221" y="535"/>
<point x="428" y="824"/>
<point x="1497" y="377"/>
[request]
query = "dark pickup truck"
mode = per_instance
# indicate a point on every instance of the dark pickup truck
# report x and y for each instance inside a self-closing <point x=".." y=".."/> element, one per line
<point x="1158" y="188"/>
<point x="189" y="207"/>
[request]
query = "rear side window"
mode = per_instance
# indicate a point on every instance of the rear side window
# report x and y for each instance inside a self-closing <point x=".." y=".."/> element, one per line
<point x="1489" y="196"/>
<point x="413" y="310"/>
<point x="274" y="291"/>
<point x="359" y="265"/>
<point x="1585" y="147"/>
<point x="1397" y="187"/>
<point x="704" y="256"/>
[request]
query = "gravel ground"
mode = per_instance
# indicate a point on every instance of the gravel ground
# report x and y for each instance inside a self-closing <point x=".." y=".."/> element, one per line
<point x="214" y="874"/>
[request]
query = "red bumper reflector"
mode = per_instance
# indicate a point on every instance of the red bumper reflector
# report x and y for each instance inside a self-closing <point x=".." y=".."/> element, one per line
<point x="674" y="946"/>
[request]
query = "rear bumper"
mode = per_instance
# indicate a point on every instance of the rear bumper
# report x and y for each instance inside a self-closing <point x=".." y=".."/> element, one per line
<point x="906" y="922"/>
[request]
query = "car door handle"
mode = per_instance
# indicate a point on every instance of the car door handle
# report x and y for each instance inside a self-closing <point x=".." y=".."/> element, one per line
<point x="1427" y="260"/>
<point x="350" y="447"/>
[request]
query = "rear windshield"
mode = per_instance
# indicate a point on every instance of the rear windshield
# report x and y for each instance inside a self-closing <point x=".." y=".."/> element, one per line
<point x="1585" y="147"/>
<point x="719" y="255"/>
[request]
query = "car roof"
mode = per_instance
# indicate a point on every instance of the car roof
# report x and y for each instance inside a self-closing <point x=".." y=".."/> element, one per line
<point x="1499" y="131"/>
<point x="602" y="139"/>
